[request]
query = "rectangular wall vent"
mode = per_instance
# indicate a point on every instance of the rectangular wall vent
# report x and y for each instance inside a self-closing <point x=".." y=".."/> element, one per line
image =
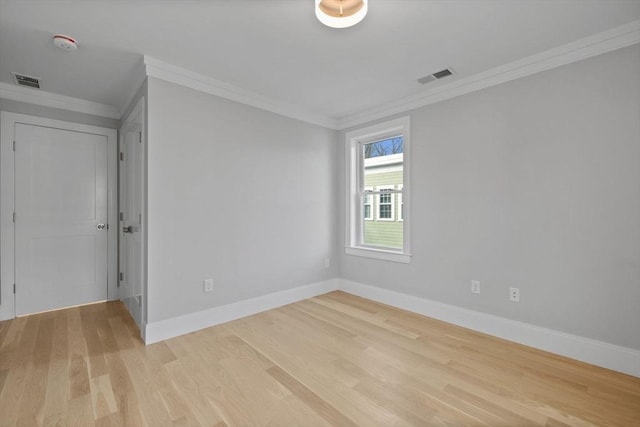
<point x="23" y="80"/>
<point x="436" y="76"/>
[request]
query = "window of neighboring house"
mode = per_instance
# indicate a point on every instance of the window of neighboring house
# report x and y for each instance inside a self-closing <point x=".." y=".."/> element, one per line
<point x="367" y="206"/>
<point x="378" y="166"/>
<point x="400" y="205"/>
<point x="385" y="202"/>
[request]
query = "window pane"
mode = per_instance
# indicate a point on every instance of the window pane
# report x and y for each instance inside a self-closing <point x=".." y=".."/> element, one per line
<point x="383" y="233"/>
<point x="386" y="147"/>
<point x="383" y="171"/>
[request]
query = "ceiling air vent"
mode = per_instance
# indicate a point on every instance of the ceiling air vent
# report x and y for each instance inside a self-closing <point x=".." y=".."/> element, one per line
<point x="436" y="76"/>
<point x="22" y="80"/>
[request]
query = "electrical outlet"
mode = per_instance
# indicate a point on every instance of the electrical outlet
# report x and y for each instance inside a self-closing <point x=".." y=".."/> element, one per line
<point x="208" y="285"/>
<point x="475" y="286"/>
<point x="514" y="294"/>
<point x="327" y="263"/>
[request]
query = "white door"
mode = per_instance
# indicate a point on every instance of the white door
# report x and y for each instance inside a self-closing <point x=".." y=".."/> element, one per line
<point x="61" y="217"/>
<point x="131" y="237"/>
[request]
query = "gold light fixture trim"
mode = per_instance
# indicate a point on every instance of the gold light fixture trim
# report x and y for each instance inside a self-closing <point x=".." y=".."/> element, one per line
<point x="341" y="13"/>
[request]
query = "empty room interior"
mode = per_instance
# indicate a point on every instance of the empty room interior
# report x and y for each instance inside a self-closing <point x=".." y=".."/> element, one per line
<point x="320" y="213"/>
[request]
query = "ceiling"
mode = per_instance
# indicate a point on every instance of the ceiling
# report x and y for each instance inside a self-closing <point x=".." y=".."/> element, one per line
<point x="278" y="49"/>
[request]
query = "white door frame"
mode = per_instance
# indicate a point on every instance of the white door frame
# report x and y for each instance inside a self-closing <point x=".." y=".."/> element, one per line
<point x="138" y="112"/>
<point x="7" y="197"/>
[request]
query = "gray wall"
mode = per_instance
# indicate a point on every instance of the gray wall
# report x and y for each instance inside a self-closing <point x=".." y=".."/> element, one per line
<point x="57" y="114"/>
<point x="534" y="183"/>
<point x="236" y="194"/>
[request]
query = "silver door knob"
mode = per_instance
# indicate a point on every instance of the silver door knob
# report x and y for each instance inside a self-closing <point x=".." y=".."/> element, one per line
<point x="100" y="226"/>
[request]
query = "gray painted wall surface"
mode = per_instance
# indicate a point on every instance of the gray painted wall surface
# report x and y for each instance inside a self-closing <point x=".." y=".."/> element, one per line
<point x="57" y="114"/>
<point x="236" y="194"/>
<point x="534" y="183"/>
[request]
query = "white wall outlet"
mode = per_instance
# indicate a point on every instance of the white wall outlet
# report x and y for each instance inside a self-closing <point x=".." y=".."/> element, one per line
<point x="208" y="285"/>
<point x="475" y="286"/>
<point x="327" y="262"/>
<point x="514" y="294"/>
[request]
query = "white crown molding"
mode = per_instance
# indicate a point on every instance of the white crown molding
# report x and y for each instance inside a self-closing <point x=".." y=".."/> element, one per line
<point x="610" y="356"/>
<point x="587" y="47"/>
<point x="171" y="73"/>
<point x="616" y="38"/>
<point x="169" y="328"/>
<point x="49" y="99"/>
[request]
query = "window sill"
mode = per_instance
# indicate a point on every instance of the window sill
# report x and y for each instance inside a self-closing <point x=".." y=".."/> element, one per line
<point x="382" y="254"/>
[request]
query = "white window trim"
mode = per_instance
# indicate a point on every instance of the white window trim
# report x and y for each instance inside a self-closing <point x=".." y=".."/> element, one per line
<point x="354" y="180"/>
<point x="392" y="195"/>
<point x="371" y="204"/>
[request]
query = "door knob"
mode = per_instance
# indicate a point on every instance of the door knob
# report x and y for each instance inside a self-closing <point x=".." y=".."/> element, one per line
<point x="100" y="226"/>
<point x="128" y="229"/>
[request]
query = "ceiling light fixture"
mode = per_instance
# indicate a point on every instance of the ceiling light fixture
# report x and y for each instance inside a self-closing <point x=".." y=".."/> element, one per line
<point x="65" y="42"/>
<point x="341" y="13"/>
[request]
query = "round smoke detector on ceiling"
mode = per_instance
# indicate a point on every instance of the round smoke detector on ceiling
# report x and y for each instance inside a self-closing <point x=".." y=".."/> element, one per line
<point x="65" y="42"/>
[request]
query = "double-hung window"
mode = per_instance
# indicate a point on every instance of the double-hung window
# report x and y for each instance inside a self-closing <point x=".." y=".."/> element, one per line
<point x="378" y="191"/>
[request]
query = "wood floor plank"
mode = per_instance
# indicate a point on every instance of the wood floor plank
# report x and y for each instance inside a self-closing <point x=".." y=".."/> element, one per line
<point x="102" y="398"/>
<point x="57" y="383"/>
<point x="321" y="407"/>
<point x="336" y="359"/>
<point x="20" y="365"/>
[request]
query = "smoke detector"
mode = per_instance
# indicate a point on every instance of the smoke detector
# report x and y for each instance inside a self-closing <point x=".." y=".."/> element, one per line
<point x="65" y="42"/>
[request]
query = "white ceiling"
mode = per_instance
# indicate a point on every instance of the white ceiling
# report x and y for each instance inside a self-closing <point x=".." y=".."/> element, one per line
<point x="278" y="49"/>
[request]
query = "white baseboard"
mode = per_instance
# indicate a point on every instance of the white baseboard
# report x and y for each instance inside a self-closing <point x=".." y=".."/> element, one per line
<point x="169" y="328"/>
<point x="597" y="353"/>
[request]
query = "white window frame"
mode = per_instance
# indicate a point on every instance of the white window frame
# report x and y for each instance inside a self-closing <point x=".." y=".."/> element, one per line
<point x="354" y="141"/>
<point x="371" y="205"/>
<point x="392" y="195"/>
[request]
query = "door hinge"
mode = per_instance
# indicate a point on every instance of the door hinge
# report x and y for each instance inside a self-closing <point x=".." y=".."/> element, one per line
<point x="121" y="216"/>
<point x="139" y="219"/>
<point x="14" y="146"/>
<point x="121" y="156"/>
<point x="107" y="226"/>
<point x="121" y="276"/>
<point x="14" y="217"/>
<point x="139" y="136"/>
<point x="14" y="288"/>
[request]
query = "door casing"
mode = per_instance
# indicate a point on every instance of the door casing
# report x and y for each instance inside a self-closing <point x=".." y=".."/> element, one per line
<point x="134" y="297"/>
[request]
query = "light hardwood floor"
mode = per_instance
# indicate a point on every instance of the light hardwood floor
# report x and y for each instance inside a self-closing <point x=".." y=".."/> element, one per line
<point x="332" y="360"/>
